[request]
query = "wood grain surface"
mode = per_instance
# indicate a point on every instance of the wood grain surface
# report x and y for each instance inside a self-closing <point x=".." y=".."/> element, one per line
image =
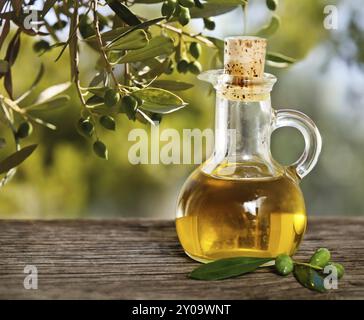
<point x="142" y="259"/>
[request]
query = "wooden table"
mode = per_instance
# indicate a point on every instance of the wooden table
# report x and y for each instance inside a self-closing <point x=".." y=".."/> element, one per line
<point x="142" y="259"/>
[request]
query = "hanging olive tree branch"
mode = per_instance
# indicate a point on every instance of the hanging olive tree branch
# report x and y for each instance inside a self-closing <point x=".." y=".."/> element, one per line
<point x="122" y="39"/>
<point x="108" y="66"/>
<point x="74" y="56"/>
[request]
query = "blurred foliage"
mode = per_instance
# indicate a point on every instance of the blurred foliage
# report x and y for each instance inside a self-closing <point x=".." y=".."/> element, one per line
<point x="301" y="27"/>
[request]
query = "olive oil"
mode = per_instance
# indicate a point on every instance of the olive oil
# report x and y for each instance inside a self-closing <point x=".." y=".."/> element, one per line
<point x="220" y="217"/>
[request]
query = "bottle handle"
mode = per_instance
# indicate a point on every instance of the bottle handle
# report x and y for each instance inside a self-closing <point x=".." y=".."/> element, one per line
<point x="311" y="135"/>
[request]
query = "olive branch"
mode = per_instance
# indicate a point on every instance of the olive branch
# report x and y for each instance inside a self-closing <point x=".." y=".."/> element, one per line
<point x="144" y="49"/>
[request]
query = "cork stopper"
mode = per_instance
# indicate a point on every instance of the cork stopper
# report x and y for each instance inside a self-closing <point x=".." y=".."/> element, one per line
<point x="243" y="78"/>
<point x="245" y="57"/>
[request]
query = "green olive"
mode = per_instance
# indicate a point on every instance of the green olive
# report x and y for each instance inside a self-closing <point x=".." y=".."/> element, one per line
<point x="129" y="106"/>
<point x="198" y="4"/>
<point x="187" y="3"/>
<point x="108" y="122"/>
<point x="85" y="127"/>
<point x="41" y="46"/>
<point x="168" y="8"/>
<point x="209" y="24"/>
<point x="25" y="129"/>
<point x="195" y="67"/>
<point x="59" y="25"/>
<point x="320" y="258"/>
<point x="195" y="50"/>
<point x="83" y="19"/>
<point x="85" y="27"/>
<point x="284" y="264"/>
<point x="86" y="30"/>
<point x="156" y="117"/>
<point x="100" y="149"/>
<point x="339" y="269"/>
<point x="129" y="102"/>
<point x="272" y="4"/>
<point x="182" y="66"/>
<point x="184" y="16"/>
<point x="111" y="97"/>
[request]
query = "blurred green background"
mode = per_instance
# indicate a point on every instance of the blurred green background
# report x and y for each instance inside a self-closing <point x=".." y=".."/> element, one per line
<point x="64" y="179"/>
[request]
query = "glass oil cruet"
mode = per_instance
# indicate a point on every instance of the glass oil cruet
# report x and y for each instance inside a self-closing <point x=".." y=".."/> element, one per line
<point x="241" y="202"/>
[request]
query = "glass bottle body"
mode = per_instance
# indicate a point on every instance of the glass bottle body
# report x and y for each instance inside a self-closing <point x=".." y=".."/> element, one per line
<point x="224" y="218"/>
<point x="241" y="202"/>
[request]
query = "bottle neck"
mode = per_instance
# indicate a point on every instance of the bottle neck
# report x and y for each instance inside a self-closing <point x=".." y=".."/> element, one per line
<point x="243" y="130"/>
<point x="243" y="127"/>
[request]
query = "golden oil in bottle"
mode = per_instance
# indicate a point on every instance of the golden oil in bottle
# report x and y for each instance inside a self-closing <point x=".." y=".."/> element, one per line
<point x="219" y="217"/>
<point x="241" y="202"/>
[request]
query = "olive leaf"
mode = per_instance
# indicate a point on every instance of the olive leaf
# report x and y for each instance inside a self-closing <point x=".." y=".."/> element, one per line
<point x="10" y="56"/>
<point x="278" y="60"/>
<point x="227" y="268"/>
<point x="98" y="91"/>
<point x="16" y="158"/>
<point x="119" y="32"/>
<point x="134" y="40"/>
<point x="51" y="92"/>
<point x="309" y="278"/>
<point x="123" y="12"/>
<point x="50" y="104"/>
<point x="172" y="85"/>
<point x="270" y="28"/>
<point x="157" y="46"/>
<point x="159" y="100"/>
<point x="95" y="101"/>
<point x="110" y="34"/>
<point x="97" y="79"/>
<point x="212" y="10"/>
<point x="143" y="25"/>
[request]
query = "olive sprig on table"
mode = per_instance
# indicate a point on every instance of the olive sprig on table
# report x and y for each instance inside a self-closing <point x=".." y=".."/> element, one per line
<point x="310" y="275"/>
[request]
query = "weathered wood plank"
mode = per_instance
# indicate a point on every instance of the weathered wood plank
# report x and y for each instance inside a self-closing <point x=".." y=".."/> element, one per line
<point x="141" y="259"/>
